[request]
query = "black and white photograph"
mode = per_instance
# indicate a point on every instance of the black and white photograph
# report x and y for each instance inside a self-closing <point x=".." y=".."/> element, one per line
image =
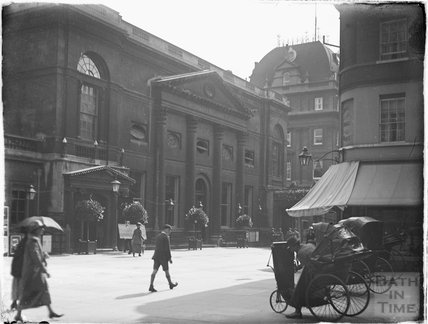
<point x="213" y="161"/>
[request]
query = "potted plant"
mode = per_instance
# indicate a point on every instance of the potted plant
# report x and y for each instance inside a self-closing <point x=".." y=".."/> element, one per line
<point x="198" y="218"/>
<point x="88" y="211"/>
<point x="134" y="212"/>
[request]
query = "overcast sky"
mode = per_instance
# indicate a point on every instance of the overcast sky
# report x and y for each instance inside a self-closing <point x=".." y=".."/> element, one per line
<point x="232" y="34"/>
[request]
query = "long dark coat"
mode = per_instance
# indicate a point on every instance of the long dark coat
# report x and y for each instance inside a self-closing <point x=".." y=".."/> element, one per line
<point x="34" y="291"/>
<point x="162" y="249"/>
<point x="137" y="241"/>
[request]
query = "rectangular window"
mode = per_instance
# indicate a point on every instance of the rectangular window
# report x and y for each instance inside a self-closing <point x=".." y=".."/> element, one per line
<point x="248" y="201"/>
<point x="172" y="185"/>
<point x="249" y="158"/>
<point x="19" y="206"/>
<point x="138" y="190"/>
<point x="88" y="112"/>
<point x="393" y="39"/>
<point x="276" y="159"/>
<point x="319" y="103"/>
<point x="347" y="115"/>
<point x="226" y="203"/>
<point x="288" y="170"/>
<point x="318" y="170"/>
<point x="289" y="139"/>
<point x="318" y="136"/>
<point x="392" y="118"/>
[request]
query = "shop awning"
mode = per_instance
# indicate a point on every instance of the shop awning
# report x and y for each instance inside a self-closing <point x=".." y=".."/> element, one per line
<point x="363" y="184"/>
<point x="388" y="184"/>
<point x="332" y="190"/>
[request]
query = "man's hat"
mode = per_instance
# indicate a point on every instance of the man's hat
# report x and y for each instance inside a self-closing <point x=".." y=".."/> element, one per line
<point x="167" y="226"/>
<point x="139" y="224"/>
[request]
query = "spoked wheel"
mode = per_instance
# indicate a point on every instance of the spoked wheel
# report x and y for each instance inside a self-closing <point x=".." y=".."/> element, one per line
<point x="327" y="298"/>
<point x="277" y="302"/>
<point x="381" y="276"/>
<point x="359" y="294"/>
<point x="362" y="269"/>
<point x="396" y="259"/>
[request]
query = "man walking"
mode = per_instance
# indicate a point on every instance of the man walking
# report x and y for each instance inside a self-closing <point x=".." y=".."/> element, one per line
<point x="162" y="256"/>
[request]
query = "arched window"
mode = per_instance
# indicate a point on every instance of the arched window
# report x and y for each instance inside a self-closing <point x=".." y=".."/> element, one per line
<point x="277" y="151"/>
<point x="87" y="66"/>
<point x="90" y="94"/>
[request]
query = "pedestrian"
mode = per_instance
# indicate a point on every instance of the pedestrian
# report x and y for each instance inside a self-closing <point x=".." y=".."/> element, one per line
<point x="296" y="234"/>
<point x="33" y="290"/>
<point x="137" y="240"/>
<point x="310" y="236"/>
<point x="162" y="256"/>
<point x="304" y="252"/>
<point x="16" y="269"/>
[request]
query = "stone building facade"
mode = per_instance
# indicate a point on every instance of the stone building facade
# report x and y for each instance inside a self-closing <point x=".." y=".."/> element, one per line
<point x="90" y="99"/>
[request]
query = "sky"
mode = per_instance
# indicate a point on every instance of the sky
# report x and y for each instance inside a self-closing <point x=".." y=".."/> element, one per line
<point x="232" y="34"/>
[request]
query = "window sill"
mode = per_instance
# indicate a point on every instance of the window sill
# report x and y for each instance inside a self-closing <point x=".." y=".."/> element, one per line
<point x="392" y="60"/>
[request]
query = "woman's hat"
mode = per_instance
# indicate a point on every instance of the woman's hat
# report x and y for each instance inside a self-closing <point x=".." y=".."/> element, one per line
<point x="139" y="224"/>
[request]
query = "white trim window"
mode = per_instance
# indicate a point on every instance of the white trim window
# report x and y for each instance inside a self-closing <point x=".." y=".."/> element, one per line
<point x="392" y="118"/>
<point x="318" y="133"/>
<point x="288" y="170"/>
<point x="318" y="170"/>
<point x="289" y="139"/>
<point x="318" y="103"/>
<point x="393" y="39"/>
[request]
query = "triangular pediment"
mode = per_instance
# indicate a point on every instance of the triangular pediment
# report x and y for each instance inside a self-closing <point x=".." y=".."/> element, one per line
<point x="98" y="177"/>
<point x="286" y="65"/>
<point x="208" y="88"/>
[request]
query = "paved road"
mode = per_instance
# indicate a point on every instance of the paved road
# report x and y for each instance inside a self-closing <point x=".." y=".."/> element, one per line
<point x="216" y="285"/>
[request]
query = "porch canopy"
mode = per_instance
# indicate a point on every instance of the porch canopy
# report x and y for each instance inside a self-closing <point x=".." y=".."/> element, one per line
<point x="363" y="184"/>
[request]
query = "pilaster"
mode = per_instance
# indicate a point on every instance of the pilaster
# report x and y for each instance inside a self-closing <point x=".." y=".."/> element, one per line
<point x="216" y="203"/>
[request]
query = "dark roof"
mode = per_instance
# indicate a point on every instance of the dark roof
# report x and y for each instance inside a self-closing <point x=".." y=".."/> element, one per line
<point x="313" y="58"/>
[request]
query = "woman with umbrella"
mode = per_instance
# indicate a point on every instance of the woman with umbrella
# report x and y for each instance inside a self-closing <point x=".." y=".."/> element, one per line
<point x="34" y="291"/>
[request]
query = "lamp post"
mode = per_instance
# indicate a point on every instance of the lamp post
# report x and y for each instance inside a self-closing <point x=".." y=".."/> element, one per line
<point x="115" y="186"/>
<point x="30" y="194"/>
<point x="170" y="206"/>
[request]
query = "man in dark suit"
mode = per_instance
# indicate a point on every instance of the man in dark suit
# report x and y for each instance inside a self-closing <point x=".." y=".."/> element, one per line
<point x="162" y="256"/>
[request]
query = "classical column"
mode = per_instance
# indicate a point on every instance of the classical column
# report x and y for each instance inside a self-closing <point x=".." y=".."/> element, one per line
<point x="239" y="192"/>
<point x="215" y="219"/>
<point x="160" y="131"/>
<point x="192" y="125"/>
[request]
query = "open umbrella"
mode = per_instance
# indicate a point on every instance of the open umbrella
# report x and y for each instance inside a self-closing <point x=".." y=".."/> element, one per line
<point x="48" y="222"/>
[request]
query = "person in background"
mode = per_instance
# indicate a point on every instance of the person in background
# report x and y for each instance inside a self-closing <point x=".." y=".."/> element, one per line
<point x="137" y="240"/>
<point x="33" y="290"/>
<point x="16" y="269"/>
<point x="162" y="256"/>
<point x="310" y="236"/>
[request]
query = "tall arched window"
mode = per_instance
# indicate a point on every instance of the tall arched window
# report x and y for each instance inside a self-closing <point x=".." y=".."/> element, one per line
<point x="277" y="151"/>
<point x="89" y="95"/>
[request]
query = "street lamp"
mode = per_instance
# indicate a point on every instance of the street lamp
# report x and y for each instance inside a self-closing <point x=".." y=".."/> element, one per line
<point x="170" y="206"/>
<point x="304" y="156"/>
<point x="115" y="186"/>
<point x="30" y="194"/>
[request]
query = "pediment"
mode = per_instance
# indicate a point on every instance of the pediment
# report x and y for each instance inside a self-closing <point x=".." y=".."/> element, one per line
<point x="209" y="89"/>
<point x="98" y="177"/>
<point x="286" y="65"/>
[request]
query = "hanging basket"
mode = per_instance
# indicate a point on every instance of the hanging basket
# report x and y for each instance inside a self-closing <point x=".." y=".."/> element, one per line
<point x="134" y="212"/>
